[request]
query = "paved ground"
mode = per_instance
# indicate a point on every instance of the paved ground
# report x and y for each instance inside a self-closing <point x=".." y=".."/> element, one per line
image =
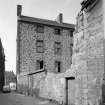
<point x="18" y="99"/>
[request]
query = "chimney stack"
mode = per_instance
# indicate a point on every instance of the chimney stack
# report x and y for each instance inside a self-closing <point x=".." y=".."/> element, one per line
<point x="60" y="18"/>
<point x="19" y="10"/>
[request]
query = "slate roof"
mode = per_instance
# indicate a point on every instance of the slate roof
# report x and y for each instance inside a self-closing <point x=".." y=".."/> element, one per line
<point x="86" y="3"/>
<point x="45" y="22"/>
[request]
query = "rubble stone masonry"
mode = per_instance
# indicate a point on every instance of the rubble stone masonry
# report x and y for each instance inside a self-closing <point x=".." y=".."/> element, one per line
<point x="39" y="83"/>
<point x="28" y="54"/>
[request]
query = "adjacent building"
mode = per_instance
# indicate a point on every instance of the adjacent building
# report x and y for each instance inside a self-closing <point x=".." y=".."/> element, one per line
<point x="42" y="45"/>
<point x="9" y="77"/>
<point x="2" y="66"/>
<point x="89" y="53"/>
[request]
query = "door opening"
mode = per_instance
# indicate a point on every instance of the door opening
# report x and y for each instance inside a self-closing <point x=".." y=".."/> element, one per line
<point x="70" y="90"/>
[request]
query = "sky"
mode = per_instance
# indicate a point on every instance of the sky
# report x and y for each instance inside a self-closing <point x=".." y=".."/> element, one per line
<point x="46" y="9"/>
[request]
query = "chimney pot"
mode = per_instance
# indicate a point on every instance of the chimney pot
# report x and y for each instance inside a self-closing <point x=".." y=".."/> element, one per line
<point x="60" y="18"/>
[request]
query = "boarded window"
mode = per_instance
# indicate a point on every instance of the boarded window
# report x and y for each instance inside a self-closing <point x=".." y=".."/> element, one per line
<point x="58" y="48"/>
<point x="57" y="31"/>
<point x="40" y="29"/>
<point x="58" y="66"/>
<point x="39" y="46"/>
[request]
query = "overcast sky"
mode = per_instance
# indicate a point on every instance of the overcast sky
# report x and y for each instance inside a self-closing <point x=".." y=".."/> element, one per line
<point x="48" y="9"/>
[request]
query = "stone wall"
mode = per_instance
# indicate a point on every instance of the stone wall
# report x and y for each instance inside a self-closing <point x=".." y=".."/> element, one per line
<point x="40" y="84"/>
<point x="23" y="84"/>
<point x="53" y="88"/>
<point x="28" y="55"/>
<point x="89" y="56"/>
<point x="36" y="80"/>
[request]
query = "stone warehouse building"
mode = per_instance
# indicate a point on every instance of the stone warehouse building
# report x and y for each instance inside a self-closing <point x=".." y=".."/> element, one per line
<point x="43" y="46"/>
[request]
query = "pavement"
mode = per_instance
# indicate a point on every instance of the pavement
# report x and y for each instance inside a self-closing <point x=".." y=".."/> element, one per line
<point x="14" y="98"/>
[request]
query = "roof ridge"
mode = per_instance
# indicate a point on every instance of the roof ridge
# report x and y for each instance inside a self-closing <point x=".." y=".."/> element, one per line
<point x="45" y="21"/>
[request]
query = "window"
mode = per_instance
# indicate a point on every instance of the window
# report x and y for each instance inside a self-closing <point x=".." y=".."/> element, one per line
<point x="58" y="49"/>
<point x="40" y="29"/>
<point x="71" y="49"/>
<point x="39" y="46"/>
<point x="31" y="80"/>
<point x="57" y="31"/>
<point x="71" y="33"/>
<point x="58" y="66"/>
<point x="39" y="64"/>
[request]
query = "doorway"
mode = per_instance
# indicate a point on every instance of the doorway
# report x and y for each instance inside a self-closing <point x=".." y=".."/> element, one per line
<point x="70" y="91"/>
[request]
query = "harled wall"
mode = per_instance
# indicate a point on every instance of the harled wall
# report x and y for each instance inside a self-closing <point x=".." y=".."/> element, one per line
<point x="89" y="51"/>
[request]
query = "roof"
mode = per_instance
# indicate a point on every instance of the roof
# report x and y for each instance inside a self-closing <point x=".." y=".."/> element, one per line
<point x="86" y="3"/>
<point x="45" y="22"/>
